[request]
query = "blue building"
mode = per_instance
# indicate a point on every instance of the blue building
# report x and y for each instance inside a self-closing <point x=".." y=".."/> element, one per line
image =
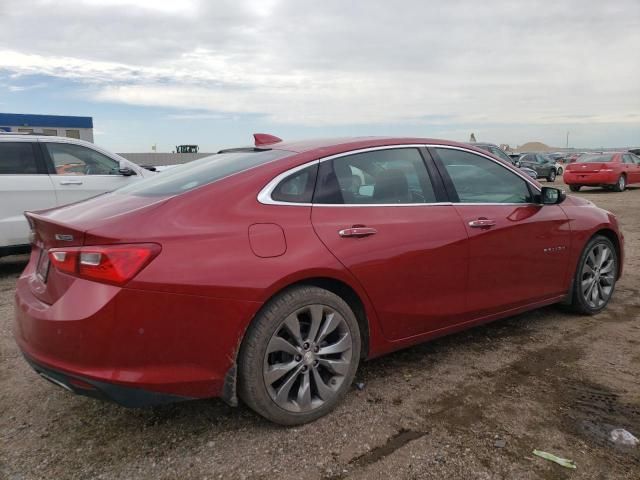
<point x="60" y="125"/>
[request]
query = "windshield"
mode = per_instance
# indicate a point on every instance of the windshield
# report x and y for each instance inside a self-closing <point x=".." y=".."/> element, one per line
<point x="595" y="158"/>
<point x="188" y="176"/>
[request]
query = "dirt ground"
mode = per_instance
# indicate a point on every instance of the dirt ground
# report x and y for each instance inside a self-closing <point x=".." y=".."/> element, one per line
<point x="472" y="405"/>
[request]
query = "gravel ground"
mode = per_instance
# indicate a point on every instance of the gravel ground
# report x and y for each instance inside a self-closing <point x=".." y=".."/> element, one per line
<point x="472" y="405"/>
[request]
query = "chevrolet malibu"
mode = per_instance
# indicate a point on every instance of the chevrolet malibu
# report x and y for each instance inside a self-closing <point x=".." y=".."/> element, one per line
<point x="268" y="273"/>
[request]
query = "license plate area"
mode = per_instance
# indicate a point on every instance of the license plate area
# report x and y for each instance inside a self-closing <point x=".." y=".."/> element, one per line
<point x="42" y="269"/>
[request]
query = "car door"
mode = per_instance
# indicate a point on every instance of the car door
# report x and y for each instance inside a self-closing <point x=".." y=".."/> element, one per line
<point x="24" y="185"/>
<point x="79" y="172"/>
<point x="544" y="166"/>
<point x="381" y="214"/>
<point x="636" y="161"/>
<point x="518" y="249"/>
<point x="631" y="168"/>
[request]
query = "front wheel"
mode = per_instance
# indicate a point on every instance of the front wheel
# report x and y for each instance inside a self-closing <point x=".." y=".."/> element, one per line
<point x="559" y="170"/>
<point x="621" y="184"/>
<point x="575" y="188"/>
<point x="596" y="276"/>
<point x="552" y="176"/>
<point x="299" y="356"/>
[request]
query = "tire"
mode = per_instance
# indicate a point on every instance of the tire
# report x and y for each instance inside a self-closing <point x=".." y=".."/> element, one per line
<point x="591" y="267"/>
<point x="552" y="176"/>
<point x="575" y="188"/>
<point x="559" y="170"/>
<point x="307" y="384"/>
<point x="621" y="184"/>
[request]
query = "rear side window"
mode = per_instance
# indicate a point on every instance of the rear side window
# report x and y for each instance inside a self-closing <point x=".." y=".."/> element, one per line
<point x="17" y="158"/>
<point x="201" y="172"/>
<point x="477" y="179"/>
<point x="389" y="176"/>
<point x="297" y="187"/>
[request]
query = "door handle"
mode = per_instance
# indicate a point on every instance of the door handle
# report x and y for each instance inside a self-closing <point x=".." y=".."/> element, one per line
<point x="357" y="232"/>
<point x="482" y="223"/>
<point x="70" y="182"/>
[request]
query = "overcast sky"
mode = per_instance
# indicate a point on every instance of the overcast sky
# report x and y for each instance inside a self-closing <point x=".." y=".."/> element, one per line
<point x="213" y="72"/>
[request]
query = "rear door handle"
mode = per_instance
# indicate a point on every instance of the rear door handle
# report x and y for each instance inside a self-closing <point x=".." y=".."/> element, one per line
<point x="70" y="182"/>
<point x="482" y="223"/>
<point x="357" y="232"/>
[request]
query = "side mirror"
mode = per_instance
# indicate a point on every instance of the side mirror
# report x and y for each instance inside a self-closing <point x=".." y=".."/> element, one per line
<point x="126" y="171"/>
<point x="552" y="196"/>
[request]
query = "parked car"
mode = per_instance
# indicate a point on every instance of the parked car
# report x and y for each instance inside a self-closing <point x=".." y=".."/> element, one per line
<point x="38" y="172"/>
<point x="613" y="171"/>
<point x="544" y="166"/>
<point x="271" y="272"/>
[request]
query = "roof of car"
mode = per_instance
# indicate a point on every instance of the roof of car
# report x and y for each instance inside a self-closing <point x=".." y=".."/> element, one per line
<point x="482" y="144"/>
<point x="329" y="146"/>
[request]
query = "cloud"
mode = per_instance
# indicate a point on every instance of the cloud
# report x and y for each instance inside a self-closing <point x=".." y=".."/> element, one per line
<point x="337" y="63"/>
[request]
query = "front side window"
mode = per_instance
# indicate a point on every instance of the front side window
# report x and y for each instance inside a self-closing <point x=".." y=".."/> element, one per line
<point x="390" y="176"/>
<point x="17" y="158"/>
<point x="477" y="179"/>
<point x="69" y="159"/>
<point x="501" y="155"/>
<point x="628" y="159"/>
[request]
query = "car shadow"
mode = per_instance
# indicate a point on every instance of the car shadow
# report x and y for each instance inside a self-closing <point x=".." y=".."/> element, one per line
<point x="200" y="415"/>
<point x="600" y="190"/>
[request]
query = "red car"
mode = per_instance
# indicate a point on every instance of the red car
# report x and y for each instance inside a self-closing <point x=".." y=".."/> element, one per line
<point x="609" y="170"/>
<point x="268" y="273"/>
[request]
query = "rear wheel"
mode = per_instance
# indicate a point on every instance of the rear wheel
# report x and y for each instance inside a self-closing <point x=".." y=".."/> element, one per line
<point x="621" y="184"/>
<point x="559" y="170"/>
<point x="575" y="188"/>
<point x="299" y="356"/>
<point x="595" y="277"/>
<point x="552" y="176"/>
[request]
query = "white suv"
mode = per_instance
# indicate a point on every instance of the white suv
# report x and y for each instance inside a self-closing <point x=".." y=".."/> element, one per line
<point x="38" y="172"/>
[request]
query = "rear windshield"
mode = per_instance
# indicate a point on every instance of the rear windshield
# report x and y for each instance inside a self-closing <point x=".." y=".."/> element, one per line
<point x="188" y="176"/>
<point x="595" y="158"/>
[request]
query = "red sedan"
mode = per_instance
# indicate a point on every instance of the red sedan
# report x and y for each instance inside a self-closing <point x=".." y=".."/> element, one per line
<point x="609" y="170"/>
<point x="268" y="273"/>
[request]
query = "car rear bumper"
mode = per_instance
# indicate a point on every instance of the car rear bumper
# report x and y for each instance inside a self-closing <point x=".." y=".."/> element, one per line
<point x="595" y="178"/>
<point x="125" y="396"/>
<point x="135" y="347"/>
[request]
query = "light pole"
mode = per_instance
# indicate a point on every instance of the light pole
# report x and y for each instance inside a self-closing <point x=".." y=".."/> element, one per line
<point x="567" y="138"/>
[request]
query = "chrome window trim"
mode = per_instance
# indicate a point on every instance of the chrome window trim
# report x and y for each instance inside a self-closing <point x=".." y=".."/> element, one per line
<point x="264" y="196"/>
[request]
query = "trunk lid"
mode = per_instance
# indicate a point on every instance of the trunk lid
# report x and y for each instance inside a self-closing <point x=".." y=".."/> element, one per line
<point x="67" y="226"/>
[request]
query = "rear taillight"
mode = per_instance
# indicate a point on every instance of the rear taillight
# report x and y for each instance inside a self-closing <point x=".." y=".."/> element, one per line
<point x="115" y="264"/>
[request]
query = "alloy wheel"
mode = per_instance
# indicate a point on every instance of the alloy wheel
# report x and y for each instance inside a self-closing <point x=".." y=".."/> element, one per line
<point x="598" y="275"/>
<point x="621" y="183"/>
<point x="307" y="358"/>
